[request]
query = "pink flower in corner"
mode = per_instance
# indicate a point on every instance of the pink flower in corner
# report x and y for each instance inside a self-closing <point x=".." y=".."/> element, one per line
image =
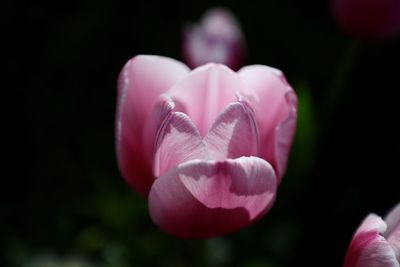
<point x="218" y="38"/>
<point x="369" y="19"/>
<point x="208" y="147"/>
<point x="376" y="243"/>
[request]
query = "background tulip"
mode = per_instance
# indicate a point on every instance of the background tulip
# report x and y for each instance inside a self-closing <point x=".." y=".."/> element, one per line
<point x="210" y="144"/>
<point x="218" y="38"/>
<point x="370" y="19"/>
<point x="376" y="243"/>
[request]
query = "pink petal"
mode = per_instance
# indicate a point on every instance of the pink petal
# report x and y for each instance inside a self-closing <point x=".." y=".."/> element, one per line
<point x="177" y="141"/>
<point x="161" y="111"/>
<point x="275" y="105"/>
<point x="393" y="231"/>
<point x="369" y="248"/>
<point x="372" y="223"/>
<point x="205" y="92"/>
<point x="201" y="198"/>
<point x="141" y="81"/>
<point x="233" y="134"/>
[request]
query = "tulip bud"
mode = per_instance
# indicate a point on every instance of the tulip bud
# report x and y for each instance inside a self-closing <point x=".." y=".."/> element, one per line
<point x="208" y="146"/>
<point x="376" y="242"/>
<point x="368" y="19"/>
<point x="218" y="38"/>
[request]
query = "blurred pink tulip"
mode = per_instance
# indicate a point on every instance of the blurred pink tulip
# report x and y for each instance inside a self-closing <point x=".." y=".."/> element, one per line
<point x="208" y="146"/>
<point x="369" y="19"/>
<point x="218" y="38"/>
<point x="376" y="243"/>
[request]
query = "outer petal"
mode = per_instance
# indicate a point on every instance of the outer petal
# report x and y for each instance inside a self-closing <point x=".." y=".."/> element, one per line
<point x="368" y="248"/>
<point x="209" y="198"/>
<point x="205" y="92"/>
<point x="275" y="105"/>
<point x="233" y="134"/>
<point x="141" y="81"/>
<point x="393" y="230"/>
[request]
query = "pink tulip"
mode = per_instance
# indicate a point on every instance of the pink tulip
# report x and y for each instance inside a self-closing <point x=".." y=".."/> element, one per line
<point x="376" y="243"/>
<point x="208" y="146"/>
<point x="369" y="19"/>
<point x="218" y="38"/>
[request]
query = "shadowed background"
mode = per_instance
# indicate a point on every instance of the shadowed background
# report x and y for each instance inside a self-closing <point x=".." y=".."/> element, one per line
<point x="63" y="201"/>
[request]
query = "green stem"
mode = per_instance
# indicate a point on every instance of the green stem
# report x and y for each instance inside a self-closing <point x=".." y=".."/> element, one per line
<point x="340" y="79"/>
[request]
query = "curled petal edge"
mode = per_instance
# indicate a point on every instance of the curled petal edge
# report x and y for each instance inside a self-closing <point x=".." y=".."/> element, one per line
<point x="285" y="132"/>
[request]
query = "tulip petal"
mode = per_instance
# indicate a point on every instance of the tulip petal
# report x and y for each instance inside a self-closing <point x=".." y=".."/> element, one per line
<point x="393" y="231"/>
<point x="177" y="141"/>
<point x="275" y="105"/>
<point x="161" y="111"/>
<point x="369" y="248"/>
<point x="141" y="81"/>
<point x="205" y="92"/>
<point x="372" y="223"/>
<point x="201" y="198"/>
<point x="233" y="134"/>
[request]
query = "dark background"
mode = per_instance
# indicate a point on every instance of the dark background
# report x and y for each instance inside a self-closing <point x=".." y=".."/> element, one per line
<point x="63" y="201"/>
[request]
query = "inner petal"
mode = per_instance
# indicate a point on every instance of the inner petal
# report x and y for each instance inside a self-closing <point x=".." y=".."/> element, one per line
<point x="234" y="134"/>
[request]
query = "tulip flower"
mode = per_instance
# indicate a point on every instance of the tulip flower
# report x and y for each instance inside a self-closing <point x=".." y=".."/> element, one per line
<point x="368" y="19"/>
<point x="208" y="147"/>
<point x="376" y="243"/>
<point x="218" y="38"/>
